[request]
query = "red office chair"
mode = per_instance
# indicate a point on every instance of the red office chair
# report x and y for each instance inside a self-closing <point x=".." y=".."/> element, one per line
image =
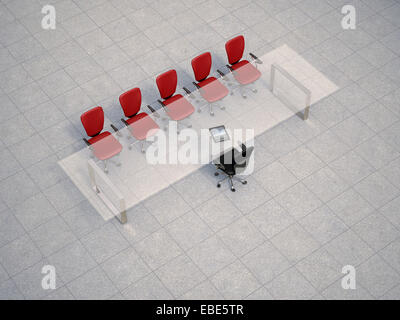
<point x="103" y="144"/>
<point x="211" y="89"/>
<point x="175" y="105"/>
<point x="140" y="124"/>
<point x="243" y="71"/>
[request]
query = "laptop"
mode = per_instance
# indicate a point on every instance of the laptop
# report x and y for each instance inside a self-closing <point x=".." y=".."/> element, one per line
<point x="219" y="134"/>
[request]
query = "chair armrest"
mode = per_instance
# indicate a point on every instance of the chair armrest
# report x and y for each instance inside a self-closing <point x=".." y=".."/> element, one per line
<point x="196" y="85"/>
<point x="255" y="58"/>
<point x="241" y="165"/>
<point x="161" y="103"/>
<point x="244" y="149"/>
<point x="124" y="122"/>
<point x="188" y="92"/>
<point x="153" y="111"/>
<point x="221" y="73"/>
<point x="86" y="141"/>
<point x="116" y="130"/>
<point x="229" y="68"/>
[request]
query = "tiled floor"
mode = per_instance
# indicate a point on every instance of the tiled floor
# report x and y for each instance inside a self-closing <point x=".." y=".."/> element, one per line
<point x="287" y="234"/>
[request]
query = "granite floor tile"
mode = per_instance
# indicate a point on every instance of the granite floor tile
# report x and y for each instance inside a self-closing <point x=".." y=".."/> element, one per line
<point x="211" y="255"/>
<point x="377" y="190"/>
<point x="295" y="243"/>
<point x="148" y="288"/>
<point x="235" y="281"/>
<point x="348" y="248"/>
<point x="241" y="236"/>
<point x="180" y="275"/>
<point x="158" y="249"/>
<point x="104" y="243"/>
<point x="93" y="284"/>
<point x="377" y="276"/>
<point x="350" y="207"/>
<point x="291" y="285"/>
<point x="125" y="268"/>
<point x="376" y="231"/>
<point x="19" y="255"/>
<point x="270" y="218"/>
<point x="52" y="236"/>
<point x="320" y="269"/>
<point x="323" y="224"/>
<point x="265" y="262"/>
<point x="72" y="261"/>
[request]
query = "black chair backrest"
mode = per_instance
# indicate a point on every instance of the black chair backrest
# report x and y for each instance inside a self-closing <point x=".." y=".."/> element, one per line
<point x="241" y="158"/>
<point x="236" y="159"/>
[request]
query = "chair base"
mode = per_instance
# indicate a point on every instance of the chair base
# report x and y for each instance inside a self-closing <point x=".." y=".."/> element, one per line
<point x="230" y="178"/>
<point x="211" y="106"/>
<point x="117" y="163"/>
<point x="244" y="88"/>
<point x="180" y="123"/>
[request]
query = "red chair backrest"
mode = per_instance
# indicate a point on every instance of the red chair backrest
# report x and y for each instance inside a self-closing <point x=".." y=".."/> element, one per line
<point x="234" y="49"/>
<point x="167" y="83"/>
<point x="202" y="66"/>
<point x="130" y="102"/>
<point x="93" y="121"/>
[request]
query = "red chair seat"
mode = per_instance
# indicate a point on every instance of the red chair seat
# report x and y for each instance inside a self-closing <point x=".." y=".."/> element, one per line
<point x="212" y="90"/>
<point x="245" y="72"/>
<point x="141" y="125"/>
<point x="105" y="146"/>
<point x="178" y="107"/>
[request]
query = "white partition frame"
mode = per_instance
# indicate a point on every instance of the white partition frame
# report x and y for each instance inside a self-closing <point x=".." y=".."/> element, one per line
<point x="307" y="92"/>
<point x="120" y="212"/>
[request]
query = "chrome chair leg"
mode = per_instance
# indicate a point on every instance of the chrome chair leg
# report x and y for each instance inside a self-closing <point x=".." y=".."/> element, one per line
<point x="243" y="181"/>
<point x="222" y="180"/>
<point x="211" y="110"/>
<point x="244" y="96"/>
<point x="227" y="177"/>
<point x="105" y="166"/>
<point x="118" y="159"/>
<point x="182" y="124"/>
<point x="231" y="183"/>
<point x="188" y="125"/>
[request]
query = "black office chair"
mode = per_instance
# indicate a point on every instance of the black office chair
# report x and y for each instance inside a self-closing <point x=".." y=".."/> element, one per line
<point x="230" y="162"/>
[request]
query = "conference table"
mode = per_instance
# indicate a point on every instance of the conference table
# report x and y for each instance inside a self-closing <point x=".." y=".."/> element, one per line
<point x="289" y="85"/>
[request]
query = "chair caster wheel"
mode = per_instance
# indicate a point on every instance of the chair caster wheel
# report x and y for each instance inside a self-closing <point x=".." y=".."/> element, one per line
<point x="222" y="108"/>
<point x="216" y="174"/>
<point x="199" y="111"/>
<point x="244" y="182"/>
<point x="130" y="147"/>
<point x="244" y="97"/>
<point x="232" y="93"/>
<point x="255" y="90"/>
<point x="143" y="151"/>
<point x="189" y="126"/>
<point x="212" y="114"/>
<point x="233" y="189"/>
<point x="118" y="164"/>
<point x="218" y="185"/>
